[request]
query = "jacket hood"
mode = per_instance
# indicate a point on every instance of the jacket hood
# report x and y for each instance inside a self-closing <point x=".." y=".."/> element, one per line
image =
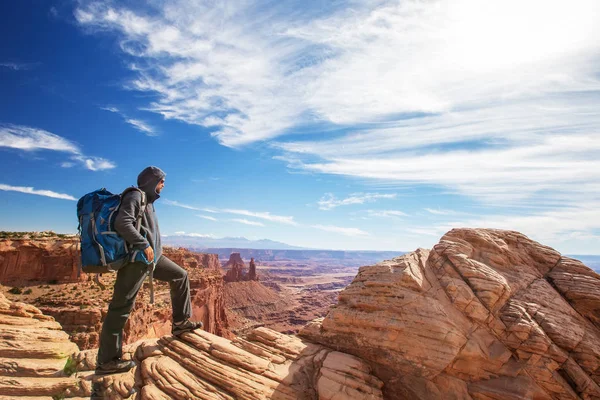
<point x="147" y="181"/>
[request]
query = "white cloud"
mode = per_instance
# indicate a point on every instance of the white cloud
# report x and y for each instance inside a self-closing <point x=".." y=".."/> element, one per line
<point x="178" y="204"/>
<point x="94" y="163"/>
<point x="247" y="222"/>
<point x="32" y="139"/>
<point x="111" y="109"/>
<point x="192" y="234"/>
<point x="489" y="100"/>
<point x="329" y="201"/>
<point x="341" y="230"/>
<point x="138" y="124"/>
<point x="30" y="190"/>
<point x="207" y="217"/>
<point x="437" y="211"/>
<point x="386" y="213"/>
<point x="141" y="126"/>
<point x="263" y="215"/>
<point x="18" y="66"/>
<point x="549" y="227"/>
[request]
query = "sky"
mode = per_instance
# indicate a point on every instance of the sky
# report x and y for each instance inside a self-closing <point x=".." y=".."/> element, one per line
<point x="358" y="125"/>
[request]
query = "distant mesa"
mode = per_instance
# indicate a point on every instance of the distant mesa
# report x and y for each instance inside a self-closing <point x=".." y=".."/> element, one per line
<point x="237" y="271"/>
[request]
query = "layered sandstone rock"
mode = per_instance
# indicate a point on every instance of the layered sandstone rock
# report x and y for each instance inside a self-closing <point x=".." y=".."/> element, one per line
<point x="268" y="365"/>
<point x="486" y="314"/>
<point x="236" y="269"/>
<point x="192" y="260"/>
<point x="42" y="259"/>
<point x="33" y="353"/>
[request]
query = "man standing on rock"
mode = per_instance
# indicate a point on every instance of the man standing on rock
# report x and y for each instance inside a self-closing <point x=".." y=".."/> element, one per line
<point x="130" y="278"/>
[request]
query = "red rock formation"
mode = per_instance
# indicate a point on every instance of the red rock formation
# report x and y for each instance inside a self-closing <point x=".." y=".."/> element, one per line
<point x="33" y="352"/>
<point x="266" y="365"/>
<point x="191" y="260"/>
<point x="487" y="314"/>
<point x="52" y="259"/>
<point x="252" y="275"/>
<point x="236" y="268"/>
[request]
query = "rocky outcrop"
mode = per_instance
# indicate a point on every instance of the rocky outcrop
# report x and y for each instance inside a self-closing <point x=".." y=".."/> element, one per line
<point x="191" y="260"/>
<point x="236" y="269"/>
<point x="39" y="260"/>
<point x="33" y="353"/>
<point x="266" y="365"/>
<point x="486" y="314"/>
<point x="252" y="275"/>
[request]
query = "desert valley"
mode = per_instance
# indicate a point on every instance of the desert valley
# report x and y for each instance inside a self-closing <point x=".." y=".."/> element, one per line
<point x="485" y="314"/>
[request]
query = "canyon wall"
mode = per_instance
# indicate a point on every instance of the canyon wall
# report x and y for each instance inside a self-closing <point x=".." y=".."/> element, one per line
<point x="44" y="259"/>
<point x="80" y="305"/>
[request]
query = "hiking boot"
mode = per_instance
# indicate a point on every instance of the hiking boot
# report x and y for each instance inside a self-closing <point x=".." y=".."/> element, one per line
<point x="185" y="326"/>
<point x="114" y="367"/>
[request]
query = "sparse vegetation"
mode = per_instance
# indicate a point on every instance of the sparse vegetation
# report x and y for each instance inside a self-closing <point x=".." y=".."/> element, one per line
<point x="53" y="281"/>
<point x="34" y="235"/>
<point x="28" y="291"/>
<point x="70" y="366"/>
<point x="15" y="290"/>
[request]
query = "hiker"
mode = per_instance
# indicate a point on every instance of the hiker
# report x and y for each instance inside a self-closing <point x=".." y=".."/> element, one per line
<point x="130" y="278"/>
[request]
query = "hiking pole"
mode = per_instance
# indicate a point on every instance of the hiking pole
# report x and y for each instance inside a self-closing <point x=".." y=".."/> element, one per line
<point x="151" y="275"/>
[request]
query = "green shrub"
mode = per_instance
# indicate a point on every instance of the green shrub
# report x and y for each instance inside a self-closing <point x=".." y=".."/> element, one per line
<point x="15" y="290"/>
<point x="70" y="366"/>
<point x="28" y="291"/>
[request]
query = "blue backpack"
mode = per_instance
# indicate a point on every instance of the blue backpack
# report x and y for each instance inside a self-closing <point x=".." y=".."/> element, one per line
<point x="102" y="248"/>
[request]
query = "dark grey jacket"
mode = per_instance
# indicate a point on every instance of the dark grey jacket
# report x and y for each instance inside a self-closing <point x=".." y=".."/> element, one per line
<point x="125" y="221"/>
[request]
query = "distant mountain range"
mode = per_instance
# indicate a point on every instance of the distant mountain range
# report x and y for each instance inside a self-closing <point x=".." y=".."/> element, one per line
<point x="207" y="242"/>
<point x="270" y="250"/>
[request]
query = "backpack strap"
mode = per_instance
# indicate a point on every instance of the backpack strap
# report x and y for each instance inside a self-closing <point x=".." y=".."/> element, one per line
<point x="143" y="205"/>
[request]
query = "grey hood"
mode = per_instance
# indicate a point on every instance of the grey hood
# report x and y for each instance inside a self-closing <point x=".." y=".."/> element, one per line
<point x="148" y="179"/>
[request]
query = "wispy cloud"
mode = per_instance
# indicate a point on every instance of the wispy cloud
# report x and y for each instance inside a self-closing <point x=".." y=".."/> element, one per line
<point x="207" y="217"/>
<point x="442" y="94"/>
<point x="32" y="139"/>
<point x="263" y="215"/>
<point x="437" y="211"/>
<point x="178" y="204"/>
<point x="18" y="66"/>
<point x="329" y="201"/>
<point x="138" y="124"/>
<point x="341" y="230"/>
<point x="552" y="226"/>
<point x="192" y="234"/>
<point x="247" y="222"/>
<point x="386" y="213"/>
<point x="30" y="190"/>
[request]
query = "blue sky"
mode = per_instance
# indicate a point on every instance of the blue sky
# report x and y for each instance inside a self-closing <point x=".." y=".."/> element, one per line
<point x="346" y="125"/>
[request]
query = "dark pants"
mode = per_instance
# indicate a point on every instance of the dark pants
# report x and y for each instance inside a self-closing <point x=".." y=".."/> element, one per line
<point x="129" y="281"/>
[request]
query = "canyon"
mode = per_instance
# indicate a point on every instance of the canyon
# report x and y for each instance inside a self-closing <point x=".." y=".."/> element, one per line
<point x="485" y="314"/>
